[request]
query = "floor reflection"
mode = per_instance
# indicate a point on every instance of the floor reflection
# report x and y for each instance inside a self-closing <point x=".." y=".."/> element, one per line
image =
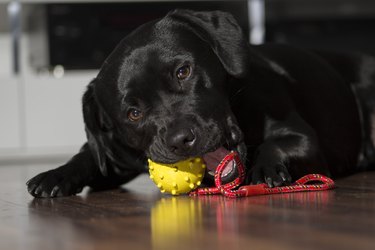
<point x="175" y="220"/>
<point x="181" y="222"/>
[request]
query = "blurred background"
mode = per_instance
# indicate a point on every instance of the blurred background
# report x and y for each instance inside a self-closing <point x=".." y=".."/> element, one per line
<point x="51" y="49"/>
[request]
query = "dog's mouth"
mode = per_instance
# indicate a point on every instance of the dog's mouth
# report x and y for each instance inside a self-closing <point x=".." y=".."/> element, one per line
<point x="214" y="158"/>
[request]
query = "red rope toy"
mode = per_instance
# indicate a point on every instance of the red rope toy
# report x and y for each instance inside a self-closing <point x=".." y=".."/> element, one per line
<point x="230" y="189"/>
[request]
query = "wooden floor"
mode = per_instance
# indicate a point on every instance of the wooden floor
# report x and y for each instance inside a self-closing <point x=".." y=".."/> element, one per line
<point x="138" y="217"/>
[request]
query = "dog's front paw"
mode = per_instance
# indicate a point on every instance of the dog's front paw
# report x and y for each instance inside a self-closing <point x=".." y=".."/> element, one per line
<point x="53" y="183"/>
<point x="274" y="175"/>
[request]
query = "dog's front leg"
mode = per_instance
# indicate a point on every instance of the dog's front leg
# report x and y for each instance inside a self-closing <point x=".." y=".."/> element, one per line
<point x="290" y="150"/>
<point x="77" y="173"/>
<point x="65" y="180"/>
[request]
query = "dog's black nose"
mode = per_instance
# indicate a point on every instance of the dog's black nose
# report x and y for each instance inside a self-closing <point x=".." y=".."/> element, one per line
<point x="181" y="141"/>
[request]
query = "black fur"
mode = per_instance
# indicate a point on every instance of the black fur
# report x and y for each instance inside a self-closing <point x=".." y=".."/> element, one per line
<point x="288" y="111"/>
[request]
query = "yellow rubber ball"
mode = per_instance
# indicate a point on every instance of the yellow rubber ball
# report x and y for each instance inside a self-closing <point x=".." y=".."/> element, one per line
<point x="177" y="178"/>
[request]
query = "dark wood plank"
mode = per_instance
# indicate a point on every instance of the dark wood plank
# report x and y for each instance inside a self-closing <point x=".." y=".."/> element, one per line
<point x="139" y="217"/>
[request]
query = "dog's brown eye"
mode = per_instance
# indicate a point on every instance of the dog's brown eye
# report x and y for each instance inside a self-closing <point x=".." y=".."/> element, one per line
<point x="135" y="115"/>
<point x="183" y="72"/>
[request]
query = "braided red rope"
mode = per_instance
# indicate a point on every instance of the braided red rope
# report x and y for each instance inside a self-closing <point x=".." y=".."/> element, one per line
<point x="229" y="189"/>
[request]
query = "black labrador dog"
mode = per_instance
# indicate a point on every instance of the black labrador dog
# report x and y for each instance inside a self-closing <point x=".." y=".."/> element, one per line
<point x="190" y="84"/>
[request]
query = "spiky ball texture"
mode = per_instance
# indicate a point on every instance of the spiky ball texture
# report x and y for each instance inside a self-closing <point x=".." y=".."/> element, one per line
<point x="177" y="178"/>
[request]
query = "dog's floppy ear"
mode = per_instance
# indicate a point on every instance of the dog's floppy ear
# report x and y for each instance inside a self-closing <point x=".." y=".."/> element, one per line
<point x="97" y="126"/>
<point x="222" y="32"/>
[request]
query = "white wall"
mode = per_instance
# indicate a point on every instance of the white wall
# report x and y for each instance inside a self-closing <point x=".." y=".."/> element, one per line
<point x="40" y="114"/>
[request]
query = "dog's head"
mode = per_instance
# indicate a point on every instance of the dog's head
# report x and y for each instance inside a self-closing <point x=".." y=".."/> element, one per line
<point x="164" y="91"/>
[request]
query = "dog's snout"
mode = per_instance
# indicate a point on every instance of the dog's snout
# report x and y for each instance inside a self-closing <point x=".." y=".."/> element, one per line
<point x="181" y="141"/>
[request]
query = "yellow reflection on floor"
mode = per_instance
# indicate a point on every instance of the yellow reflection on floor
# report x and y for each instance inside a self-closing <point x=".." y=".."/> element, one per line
<point x="175" y="220"/>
